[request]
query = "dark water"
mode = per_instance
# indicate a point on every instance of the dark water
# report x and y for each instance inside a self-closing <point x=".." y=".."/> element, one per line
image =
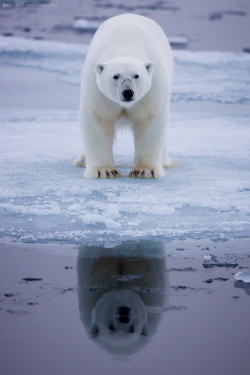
<point x="133" y="309"/>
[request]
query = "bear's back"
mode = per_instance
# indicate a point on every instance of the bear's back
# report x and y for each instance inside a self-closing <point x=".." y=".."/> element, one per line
<point x="131" y="35"/>
<point x="135" y="21"/>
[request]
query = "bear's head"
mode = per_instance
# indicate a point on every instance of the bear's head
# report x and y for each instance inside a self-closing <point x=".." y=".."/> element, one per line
<point x="119" y="318"/>
<point x="124" y="80"/>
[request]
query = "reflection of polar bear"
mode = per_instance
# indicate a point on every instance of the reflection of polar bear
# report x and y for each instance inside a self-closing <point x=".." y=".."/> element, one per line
<point x="127" y="74"/>
<point x="121" y="298"/>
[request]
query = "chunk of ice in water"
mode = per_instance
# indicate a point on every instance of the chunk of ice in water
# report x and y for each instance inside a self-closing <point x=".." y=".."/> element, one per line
<point x="211" y="261"/>
<point x="85" y="25"/>
<point x="243" y="276"/>
<point x="178" y="41"/>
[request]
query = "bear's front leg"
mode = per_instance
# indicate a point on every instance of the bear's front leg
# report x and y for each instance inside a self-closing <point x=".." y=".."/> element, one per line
<point x="150" y="141"/>
<point x="98" y="144"/>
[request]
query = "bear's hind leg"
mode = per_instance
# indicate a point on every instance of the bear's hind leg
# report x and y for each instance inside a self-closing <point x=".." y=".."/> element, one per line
<point x="167" y="161"/>
<point x="80" y="161"/>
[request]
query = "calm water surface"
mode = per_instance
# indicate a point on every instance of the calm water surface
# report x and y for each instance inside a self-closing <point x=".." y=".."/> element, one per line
<point x="132" y="309"/>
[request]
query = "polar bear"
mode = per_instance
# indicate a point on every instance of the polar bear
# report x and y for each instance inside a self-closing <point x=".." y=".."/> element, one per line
<point x="122" y="292"/>
<point x="127" y="74"/>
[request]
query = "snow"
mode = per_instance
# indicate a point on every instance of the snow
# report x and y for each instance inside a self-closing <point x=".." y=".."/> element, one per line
<point x="44" y="198"/>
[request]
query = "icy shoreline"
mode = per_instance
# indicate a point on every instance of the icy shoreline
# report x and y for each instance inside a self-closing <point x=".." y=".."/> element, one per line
<point x="45" y="198"/>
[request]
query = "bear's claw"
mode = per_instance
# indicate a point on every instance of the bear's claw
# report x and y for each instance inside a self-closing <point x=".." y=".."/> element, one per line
<point x="145" y="173"/>
<point x="108" y="173"/>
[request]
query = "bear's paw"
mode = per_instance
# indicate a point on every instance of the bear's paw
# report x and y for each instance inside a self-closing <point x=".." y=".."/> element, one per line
<point x="146" y="172"/>
<point x="102" y="173"/>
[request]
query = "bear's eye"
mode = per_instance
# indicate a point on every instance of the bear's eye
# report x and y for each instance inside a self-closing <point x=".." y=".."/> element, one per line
<point x="116" y="77"/>
<point x="136" y="76"/>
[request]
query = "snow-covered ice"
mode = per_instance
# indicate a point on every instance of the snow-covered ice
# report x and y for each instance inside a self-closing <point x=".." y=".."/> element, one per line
<point x="44" y="198"/>
<point x="85" y="25"/>
<point x="243" y="276"/>
<point x="178" y="41"/>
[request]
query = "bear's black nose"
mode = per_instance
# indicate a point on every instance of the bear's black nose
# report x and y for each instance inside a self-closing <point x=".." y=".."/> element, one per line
<point x="128" y="95"/>
<point x="123" y="313"/>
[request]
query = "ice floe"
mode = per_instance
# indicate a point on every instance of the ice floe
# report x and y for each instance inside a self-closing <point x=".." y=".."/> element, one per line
<point x="44" y="197"/>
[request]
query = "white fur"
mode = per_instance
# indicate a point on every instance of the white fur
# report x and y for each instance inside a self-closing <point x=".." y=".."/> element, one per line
<point x="123" y="48"/>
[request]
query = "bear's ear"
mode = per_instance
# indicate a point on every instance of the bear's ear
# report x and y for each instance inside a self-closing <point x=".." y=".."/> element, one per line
<point x="149" y="66"/>
<point x="99" y="67"/>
